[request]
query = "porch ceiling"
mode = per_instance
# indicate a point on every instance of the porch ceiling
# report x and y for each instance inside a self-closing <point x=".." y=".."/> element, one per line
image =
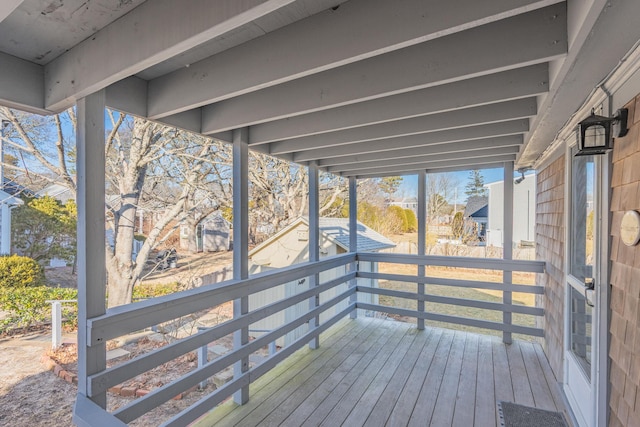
<point x="363" y="87"/>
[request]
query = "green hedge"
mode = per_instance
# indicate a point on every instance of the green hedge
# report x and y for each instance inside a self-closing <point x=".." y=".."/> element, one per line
<point x="27" y="306"/>
<point x="20" y="271"/>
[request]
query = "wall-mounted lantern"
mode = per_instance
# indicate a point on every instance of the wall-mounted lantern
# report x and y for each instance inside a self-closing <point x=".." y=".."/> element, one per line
<point x="594" y="132"/>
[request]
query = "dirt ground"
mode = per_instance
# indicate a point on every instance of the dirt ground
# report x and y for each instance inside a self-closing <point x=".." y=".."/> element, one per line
<point x="30" y="395"/>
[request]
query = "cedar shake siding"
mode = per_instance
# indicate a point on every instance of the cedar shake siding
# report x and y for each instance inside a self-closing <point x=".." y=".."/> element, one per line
<point x="550" y="232"/>
<point x="624" y="352"/>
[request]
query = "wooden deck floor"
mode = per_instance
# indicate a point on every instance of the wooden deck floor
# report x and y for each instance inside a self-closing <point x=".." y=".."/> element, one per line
<point x="371" y="372"/>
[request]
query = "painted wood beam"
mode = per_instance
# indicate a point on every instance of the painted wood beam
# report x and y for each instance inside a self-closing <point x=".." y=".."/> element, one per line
<point x="498" y="87"/>
<point x="454" y="147"/>
<point x="314" y="242"/>
<point x="526" y="39"/>
<point x="241" y="247"/>
<point x="92" y="273"/>
<point x="353" y="237"/>
<point x="507" y="245"/>
<point x="433" y="170"/>
<point x="505" y="111"/>
<point x="467" y="154"/>
<point x="433" y="138"/>
<point x="422" y="238"/>
<point x="321" y="42"/>
<point x="21" y="84"/>
<point x="151" y="33"/>
<point x="431" y="165"/>
<point x="7" y="7"/>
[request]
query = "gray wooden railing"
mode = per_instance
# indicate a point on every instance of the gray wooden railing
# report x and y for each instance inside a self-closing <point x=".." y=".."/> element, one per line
<point x="457" y="262"/>
<point x="123" y="320"/>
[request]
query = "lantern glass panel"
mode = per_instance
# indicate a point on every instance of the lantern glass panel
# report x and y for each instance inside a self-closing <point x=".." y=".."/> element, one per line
<point x="595" y="136"/>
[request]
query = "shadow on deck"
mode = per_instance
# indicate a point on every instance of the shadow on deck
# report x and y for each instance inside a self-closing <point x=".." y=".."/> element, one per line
<point x="381" y="372"/>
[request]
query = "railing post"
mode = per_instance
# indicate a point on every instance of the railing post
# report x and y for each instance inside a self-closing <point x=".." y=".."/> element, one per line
<point x="203" y="358"/>
<point x="241" y="247"/>
<point x="56" y="324"/>
<point x="422" y="230"/>
<point x="507" y="245"/>
<point x="314" y="244"/>
<point x="353" y="235"/>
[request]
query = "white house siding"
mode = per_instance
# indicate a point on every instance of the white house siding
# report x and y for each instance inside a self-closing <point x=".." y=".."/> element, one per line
<point x="524" y="196"/>
<point x="288" y="248"/>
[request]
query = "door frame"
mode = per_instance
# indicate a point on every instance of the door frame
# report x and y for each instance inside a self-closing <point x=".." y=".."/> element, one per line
<point x="599" y="394"/>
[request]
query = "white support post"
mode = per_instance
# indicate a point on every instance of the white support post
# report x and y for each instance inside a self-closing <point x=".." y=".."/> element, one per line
<point x="353" y="235"/>
<point x="507" y="245"/>
<point x="56" y="324"/>
<point x="422" y="236"/>
<point x="92" y="277"/>
<point x="241" y="247"/>
<point x="314" y="243"/>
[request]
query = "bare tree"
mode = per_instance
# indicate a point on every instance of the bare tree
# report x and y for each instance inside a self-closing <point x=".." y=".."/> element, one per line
<point x="139" y="154"/>
<point x="440" y="188"/>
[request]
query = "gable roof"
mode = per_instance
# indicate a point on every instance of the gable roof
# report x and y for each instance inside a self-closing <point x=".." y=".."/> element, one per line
<point x="336" y="230"/>
<point x="476" y="206"/>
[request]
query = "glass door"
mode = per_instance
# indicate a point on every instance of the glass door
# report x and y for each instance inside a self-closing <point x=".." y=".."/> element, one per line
<point x="583" y="288"/>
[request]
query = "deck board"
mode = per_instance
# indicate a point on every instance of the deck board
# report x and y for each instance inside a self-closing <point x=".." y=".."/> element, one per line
<point x="485" y="403"/>
<point x="464" y="411"/>
<point x="373" y="372"/>
<point x="521" y="386"/>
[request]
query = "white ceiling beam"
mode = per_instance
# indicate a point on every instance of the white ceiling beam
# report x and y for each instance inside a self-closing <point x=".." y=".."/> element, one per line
<point x="408" y="161"/>
<point x="351" y="32"/>
<point x="454" y="147"/>
<point x="444" y="169"/>
<point x="434" y="170"/>
<point x="505" y="111"/>
<point x="526" y="39"/>
<point x="447" y="136"/>
<point x="21" y="84"/>
<point x="151" y="33"/>
<point x="433" y="166"/>
<point x="7" y="7"/>
<point x="503" y="86"/>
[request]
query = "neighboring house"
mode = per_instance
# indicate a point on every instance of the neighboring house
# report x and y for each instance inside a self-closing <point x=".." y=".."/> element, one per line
<point x="291" y="246"/>
<point x="7" y="202"/>
<point x="524" y="209"/>
<point x="407" y="203"/>
<point x="213" y="234"/>
<point x="476" y="215"/>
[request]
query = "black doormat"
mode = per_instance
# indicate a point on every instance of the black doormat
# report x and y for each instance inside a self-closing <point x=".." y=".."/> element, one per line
<point x="513" y="415"/>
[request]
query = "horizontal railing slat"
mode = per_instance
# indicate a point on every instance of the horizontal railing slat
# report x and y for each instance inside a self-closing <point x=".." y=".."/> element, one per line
<point x="461" y="262"/>
<point x="486" y="324"/>
<point x="205" y="404"/>
<point x="428" y="280"/>
<point x="162" y="394"/>
<point x="100" y="382"/>
<point x="133" y="317"/>
<point x="487" y="305"/>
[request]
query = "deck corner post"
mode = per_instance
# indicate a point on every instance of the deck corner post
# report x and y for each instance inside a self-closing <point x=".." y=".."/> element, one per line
<point x="422" y="230"/>
<point x="353" y="236"/>
<point x="314" y="243"/>
<point x="241" y="247"/>
<point x="92" y="277"/>
<point x="507" y="246"/>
